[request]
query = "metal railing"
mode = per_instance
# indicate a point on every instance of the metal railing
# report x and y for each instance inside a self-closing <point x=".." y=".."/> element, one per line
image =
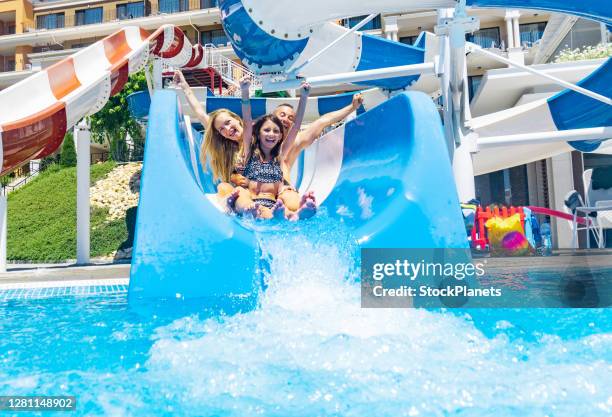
<point x="230" y="71"/>
<point x="126" y="152"/>
<point x="12" y="187"/>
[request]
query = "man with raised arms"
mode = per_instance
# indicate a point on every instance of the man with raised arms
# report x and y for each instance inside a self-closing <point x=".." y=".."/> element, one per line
<point x="307" y="136"/>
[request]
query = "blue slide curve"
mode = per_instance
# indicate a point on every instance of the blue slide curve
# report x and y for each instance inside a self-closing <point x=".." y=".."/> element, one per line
<point x="394" y="189"/>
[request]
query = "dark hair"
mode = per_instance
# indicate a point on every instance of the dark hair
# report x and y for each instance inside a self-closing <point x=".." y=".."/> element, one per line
<point x="286" y="105"/>
<point x="257" y="127"/>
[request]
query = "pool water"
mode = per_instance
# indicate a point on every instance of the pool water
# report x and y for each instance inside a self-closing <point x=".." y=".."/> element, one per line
<point x="308" y="349"/>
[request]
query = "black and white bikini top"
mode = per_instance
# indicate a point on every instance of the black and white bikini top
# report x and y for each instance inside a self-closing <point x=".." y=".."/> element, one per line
<point x="264" y="172"/>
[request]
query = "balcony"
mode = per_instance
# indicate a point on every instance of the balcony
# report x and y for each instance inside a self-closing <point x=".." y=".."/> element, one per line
<point x="125" y="11"/>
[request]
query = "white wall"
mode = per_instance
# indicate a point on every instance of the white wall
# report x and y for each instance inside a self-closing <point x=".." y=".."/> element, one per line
<point x="560" y="182"/>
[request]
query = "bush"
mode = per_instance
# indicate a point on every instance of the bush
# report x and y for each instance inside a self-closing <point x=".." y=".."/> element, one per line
<point x="588" y="52"/>
<point x="68" y="157"/>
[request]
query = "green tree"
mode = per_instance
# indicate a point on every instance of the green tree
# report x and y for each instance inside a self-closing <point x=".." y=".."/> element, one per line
<point x="68" y="157"/>
<point x="111" y="124"/>
<point x="6" y="180"/>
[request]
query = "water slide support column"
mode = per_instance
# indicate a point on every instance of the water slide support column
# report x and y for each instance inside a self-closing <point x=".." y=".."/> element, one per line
<point x="454" y="89"/>
<point x="3" y="228"/>
<point x="82" y="136"/>
<point x="443" y="72"/>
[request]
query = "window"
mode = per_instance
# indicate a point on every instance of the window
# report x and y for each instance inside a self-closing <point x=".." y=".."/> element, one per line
<point x="531" y="33"/>
<point x="486" y="38"/>
<point x="130" y="10"/>
<point x="173" y="6"/>
<point x="47" y="48"/>
<point x="473" y="84"/>
<point x="408" y="40"/>
<point x="216" y="37"/>
<point x="208" y="4"/>
<point x="88" y="16"/>
<point x="10" y="65"/>
<point x="10" y="29"/>
<point x="50" y="21"/>
<point x="371" y="25"/>
<point x="81" y="45"/>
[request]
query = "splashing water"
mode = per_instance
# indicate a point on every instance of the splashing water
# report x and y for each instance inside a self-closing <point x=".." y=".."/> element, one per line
<point x="308" y="349"/>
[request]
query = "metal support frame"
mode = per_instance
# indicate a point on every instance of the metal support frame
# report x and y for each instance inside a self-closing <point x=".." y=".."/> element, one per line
<point x="332" y="43"/>
<point x="475" y="48"/>
<point x="350" y="77"/>
<point x="452" y="28"/>
<point x="593" y="133"/>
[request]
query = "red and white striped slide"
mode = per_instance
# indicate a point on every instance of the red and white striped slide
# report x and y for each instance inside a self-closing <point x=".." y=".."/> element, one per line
<point x="37" y="112"/>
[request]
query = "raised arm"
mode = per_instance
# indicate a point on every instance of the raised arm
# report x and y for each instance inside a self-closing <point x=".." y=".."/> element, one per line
<point x="247" y="118"/>
<point x="297" y="123"/>
<point x="195" y="105"/>
<point x="308" y="135"/>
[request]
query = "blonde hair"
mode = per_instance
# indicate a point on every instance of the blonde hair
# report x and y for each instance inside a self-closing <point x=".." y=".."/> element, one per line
<point x="222" y="151"/>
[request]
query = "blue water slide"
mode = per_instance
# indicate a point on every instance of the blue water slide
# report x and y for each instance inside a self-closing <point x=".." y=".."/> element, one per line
<point x="382" y="185"/>
<point x="261" y="45"/>
<point x="263" y="52"/>
<point x="572" y="110"/>
<point x="184" y="246"/>
<point x="379" y="181"/>
<point x="599" y="10"/>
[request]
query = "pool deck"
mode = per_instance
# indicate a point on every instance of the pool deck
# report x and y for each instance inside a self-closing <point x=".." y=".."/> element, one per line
<point x="40" y="274"/>
<point x="582" y="258"/>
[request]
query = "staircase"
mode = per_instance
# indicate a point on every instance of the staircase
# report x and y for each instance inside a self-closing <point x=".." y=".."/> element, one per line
<point x="219" y="73"/>
<point x="207" y="77"/>
<point x="231" y="72"/>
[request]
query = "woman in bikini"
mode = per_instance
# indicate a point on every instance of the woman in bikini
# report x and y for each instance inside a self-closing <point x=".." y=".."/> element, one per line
<point x="225" y="134"/>
<point x="264" y="172"/>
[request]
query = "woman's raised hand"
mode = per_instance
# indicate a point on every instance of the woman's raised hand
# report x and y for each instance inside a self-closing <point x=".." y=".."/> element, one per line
<point x="179" y="79"/>
<point x="357" y="101"/>
<point x="305" y="88"/>
<point x="245" y="82"/>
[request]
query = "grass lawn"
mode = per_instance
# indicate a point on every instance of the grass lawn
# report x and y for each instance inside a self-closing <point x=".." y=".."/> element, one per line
<point x="42" y="218"/>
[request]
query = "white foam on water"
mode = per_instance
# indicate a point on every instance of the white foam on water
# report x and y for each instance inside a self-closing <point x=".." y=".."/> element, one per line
<point x="310" y="349"/>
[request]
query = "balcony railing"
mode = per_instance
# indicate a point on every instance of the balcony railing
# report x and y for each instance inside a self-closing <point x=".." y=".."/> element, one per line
<point x="179" y="6"/>
<point x="122" y="12"/>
